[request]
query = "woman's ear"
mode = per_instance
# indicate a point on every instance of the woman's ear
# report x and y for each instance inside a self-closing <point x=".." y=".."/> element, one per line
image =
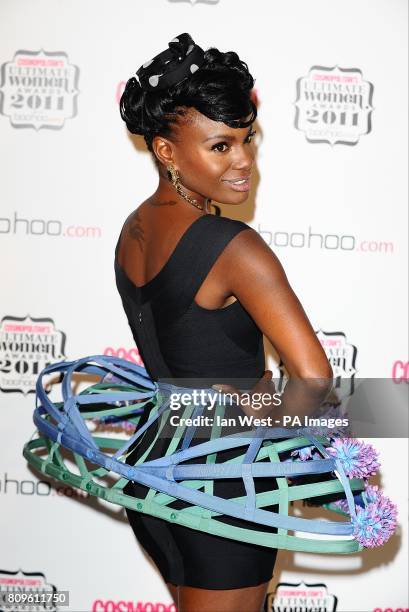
<point x="162" y="150"/>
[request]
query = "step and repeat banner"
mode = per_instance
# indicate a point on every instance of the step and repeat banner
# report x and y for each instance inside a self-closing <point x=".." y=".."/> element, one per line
<point x="329" y="198"/>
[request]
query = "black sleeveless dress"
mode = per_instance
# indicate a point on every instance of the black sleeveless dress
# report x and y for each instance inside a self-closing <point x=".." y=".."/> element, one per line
<point x="178" y="339"/>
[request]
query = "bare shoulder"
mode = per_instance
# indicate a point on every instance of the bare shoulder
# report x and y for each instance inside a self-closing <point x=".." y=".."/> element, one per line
<point x="136" y="224"/>
<point x="134" y="217"/>
<point x="248" y="256"/>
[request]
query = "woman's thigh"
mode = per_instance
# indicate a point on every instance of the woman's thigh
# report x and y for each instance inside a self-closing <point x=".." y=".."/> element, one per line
<point x="157" y="540"/>
<point x="186" y="557"/>
<point x="249" y="599"/>
<point x="211" y="562"/>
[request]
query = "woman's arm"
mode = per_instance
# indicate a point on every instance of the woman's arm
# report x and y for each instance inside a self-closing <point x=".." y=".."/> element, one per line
<point x="256" y="277"/>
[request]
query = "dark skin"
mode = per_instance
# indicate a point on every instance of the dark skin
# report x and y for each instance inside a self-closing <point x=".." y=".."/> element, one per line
<point x="152" y="232"/>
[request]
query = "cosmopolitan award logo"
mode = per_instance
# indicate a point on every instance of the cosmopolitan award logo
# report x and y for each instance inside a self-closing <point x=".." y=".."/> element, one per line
<point x="39" y="89"/>
<point x="333" y="105"/>
<point x="27" y="346"/>
<point x="14" y="584"/>
<point x="301" y="597"/>
<point x="342" y="357"/>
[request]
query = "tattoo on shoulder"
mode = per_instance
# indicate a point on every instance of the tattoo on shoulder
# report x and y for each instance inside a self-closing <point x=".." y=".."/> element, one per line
<point x="164" y="203"/>
<point x="135" y="229"/>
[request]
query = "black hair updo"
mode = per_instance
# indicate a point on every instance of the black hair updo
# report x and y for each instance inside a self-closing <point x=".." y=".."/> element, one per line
<point x="220" y="90"/>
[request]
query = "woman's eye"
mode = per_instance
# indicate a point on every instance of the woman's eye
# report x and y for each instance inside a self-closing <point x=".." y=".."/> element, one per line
<point x="219" y="144"/>
<point x="222" y="144"/>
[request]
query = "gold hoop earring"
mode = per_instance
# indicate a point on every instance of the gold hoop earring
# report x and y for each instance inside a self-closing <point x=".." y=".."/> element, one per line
<point x="173" y="176"/>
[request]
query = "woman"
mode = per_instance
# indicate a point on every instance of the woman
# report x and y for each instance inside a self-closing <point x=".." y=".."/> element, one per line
<point x="199" y="292"/>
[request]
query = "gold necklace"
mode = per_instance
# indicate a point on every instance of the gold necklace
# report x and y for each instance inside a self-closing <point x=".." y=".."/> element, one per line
<point x="173" y="176"/>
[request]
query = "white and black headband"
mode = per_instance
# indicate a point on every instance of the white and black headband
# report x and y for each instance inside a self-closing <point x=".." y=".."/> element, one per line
<point x="173" y="65"/>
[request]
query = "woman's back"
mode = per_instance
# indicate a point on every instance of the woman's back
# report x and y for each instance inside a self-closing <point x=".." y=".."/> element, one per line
<point x="176" y="336"/>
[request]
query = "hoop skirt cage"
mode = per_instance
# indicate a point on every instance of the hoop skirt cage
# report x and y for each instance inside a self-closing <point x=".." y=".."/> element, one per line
<point x="302" y="465"/>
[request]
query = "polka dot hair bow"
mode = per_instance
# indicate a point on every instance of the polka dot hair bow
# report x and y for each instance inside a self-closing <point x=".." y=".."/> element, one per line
<point x="173" y="65"/>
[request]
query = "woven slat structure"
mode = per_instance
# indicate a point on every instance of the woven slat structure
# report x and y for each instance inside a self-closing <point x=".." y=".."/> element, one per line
<point x="65" y="439"/>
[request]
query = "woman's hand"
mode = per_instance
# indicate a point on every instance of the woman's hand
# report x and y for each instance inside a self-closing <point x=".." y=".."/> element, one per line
<point x="262" y="392"/>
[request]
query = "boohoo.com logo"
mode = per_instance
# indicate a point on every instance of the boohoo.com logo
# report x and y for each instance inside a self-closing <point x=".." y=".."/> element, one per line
<point x="39" y="89"/>
<point x="27" y="345"/>
<point x="301" y="597"/>
<point x="333" y="105"/>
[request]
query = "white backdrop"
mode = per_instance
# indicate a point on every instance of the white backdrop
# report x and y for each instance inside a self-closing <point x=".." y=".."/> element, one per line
<point x="331" y="80"/>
